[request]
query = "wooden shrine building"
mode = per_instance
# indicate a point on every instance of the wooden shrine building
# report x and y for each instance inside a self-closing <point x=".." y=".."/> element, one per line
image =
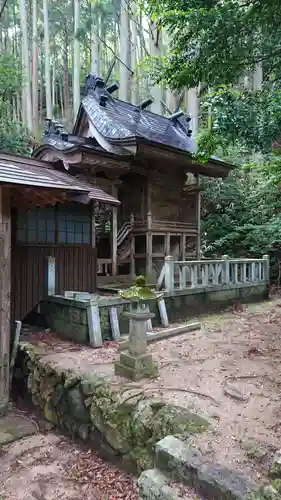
<point x="144" y="160"/>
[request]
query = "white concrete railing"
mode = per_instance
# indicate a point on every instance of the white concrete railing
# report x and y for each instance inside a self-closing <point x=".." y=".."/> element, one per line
<point x="181" y="275"/>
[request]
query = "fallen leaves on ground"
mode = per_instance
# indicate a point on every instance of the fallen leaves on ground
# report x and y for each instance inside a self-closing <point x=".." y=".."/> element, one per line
<point x="111" y="482"/>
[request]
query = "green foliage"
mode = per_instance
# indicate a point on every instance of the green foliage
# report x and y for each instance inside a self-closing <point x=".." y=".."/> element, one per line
<point x="10" y="76"/>
<point x="215" y="42"/>
<point x="250" y="120"/>
<point x="242" y="214"/>
<point x="139" y="292"/>
<point x="13" y="136"/>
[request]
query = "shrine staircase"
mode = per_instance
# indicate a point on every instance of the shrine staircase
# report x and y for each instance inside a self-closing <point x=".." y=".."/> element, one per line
<point x="124" y="243"/>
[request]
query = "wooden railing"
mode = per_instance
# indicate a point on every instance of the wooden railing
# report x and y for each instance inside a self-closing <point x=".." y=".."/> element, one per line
<point x="123" y="233"/>
<point x="180" y="275"/>
<point x="165" y="226"/>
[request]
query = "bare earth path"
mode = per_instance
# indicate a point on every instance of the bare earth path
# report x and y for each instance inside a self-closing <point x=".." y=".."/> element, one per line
<point x="50" y="467"/>
<point x="229" y="372"/>
<point x="47" y="466"/>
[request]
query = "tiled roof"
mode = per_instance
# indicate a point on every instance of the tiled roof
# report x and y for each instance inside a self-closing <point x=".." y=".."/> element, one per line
<point x="24" y="171"/>
<point x="123" y="123"/>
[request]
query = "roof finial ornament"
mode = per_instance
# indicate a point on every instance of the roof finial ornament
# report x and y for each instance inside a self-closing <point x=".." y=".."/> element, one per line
<point x="144" y="104"/>
<point x="177" y="114"/>
<point x="92" y="82"/>
<point x="52" y="127"/>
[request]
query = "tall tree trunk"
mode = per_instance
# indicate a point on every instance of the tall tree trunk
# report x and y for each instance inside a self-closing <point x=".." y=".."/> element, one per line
<point x="26" y="73"/>
<point x="134" y="61"/>
<point x="53" y="84"/>
<point x="61" y="99"/>
<point x="193" y="110"/>
<point x="124" y="64"/>
<point x="95" y="44"/>
<point x="49" y="111"/>
<point x="66" y="78"/>
<point x="34" y="67"/>
<point x="155" y="50"/>
<point x="258" y="77"/>
<point x="76" y="59"/>
<point x="171" y="100"/>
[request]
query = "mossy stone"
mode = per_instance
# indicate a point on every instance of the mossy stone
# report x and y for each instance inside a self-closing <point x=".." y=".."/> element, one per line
<point x="275" y="469"/>
<point x="50" y="414"/>
<point x="171" y="420"/>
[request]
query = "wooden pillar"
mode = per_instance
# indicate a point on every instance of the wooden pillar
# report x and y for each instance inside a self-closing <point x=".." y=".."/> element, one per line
<point x="93" y="229"/>
<point x="149" y="246"/>
<point x="198" y="217"/>
<point x="93" y="243"/>
<point x="5" y="296"/>
<point x="132" y="249"/>
<point x="183" y="246"/>
<point x="168" y="243"/>
<point x="114" y="232"/>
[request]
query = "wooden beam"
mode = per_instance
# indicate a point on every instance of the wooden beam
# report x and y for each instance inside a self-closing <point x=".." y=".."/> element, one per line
<point x="5" y="296"/>
<point x="29" y="197"/>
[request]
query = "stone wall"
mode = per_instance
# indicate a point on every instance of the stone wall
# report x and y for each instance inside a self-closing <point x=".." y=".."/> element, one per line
<point x="186" y="304"/>
<point x="68" y="317"/>
<point x="118" y="418"/>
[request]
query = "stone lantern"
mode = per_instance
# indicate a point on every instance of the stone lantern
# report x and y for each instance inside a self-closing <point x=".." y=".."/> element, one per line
<point x="136" y="363"/>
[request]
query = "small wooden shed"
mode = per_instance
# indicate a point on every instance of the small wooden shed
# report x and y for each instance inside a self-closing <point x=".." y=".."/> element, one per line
<point x="43" y="212"/>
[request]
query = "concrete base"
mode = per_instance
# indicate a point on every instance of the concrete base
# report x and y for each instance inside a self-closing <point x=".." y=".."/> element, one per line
<point x="135" y="367"/>
<point x="14" y="427"/>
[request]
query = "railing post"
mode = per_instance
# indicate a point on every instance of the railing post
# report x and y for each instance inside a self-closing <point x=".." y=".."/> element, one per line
<point x="149" y="220"/>
<point x="266" y="267"/>
<point x="94" y="326"/>
<point x="49" y="276"/>
<point x="169" y="273"/>
<point x="226" y="269"/>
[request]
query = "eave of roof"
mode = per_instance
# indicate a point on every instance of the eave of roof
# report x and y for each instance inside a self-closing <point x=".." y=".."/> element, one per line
<point x="28" y="172"/>
<point x="212" y="168"/>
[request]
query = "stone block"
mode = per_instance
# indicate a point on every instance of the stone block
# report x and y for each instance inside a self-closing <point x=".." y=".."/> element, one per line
<point x="135" y="367"/>
<point x="213" y="481"/>
<point x="152" y="485"/>
<point x="77" y="408"/>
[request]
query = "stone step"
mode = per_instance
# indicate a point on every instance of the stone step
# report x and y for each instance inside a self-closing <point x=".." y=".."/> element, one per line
<point x="213" y="481"/>
<point x="154" y="485"/>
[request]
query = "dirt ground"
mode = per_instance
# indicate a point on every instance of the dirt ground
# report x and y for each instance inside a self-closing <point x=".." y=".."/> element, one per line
<point x="50" y="467"/>
<point x="42" y="465"/>
<point x="229" y="372"/>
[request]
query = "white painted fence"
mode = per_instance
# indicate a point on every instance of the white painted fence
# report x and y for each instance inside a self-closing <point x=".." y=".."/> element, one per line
<point x="180" y="275"/>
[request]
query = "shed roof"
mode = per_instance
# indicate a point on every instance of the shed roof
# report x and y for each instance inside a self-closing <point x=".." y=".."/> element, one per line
<point x="28" y="172"/>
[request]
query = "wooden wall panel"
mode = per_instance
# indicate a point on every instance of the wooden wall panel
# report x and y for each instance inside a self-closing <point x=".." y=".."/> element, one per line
<point x="75" y="270"/>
